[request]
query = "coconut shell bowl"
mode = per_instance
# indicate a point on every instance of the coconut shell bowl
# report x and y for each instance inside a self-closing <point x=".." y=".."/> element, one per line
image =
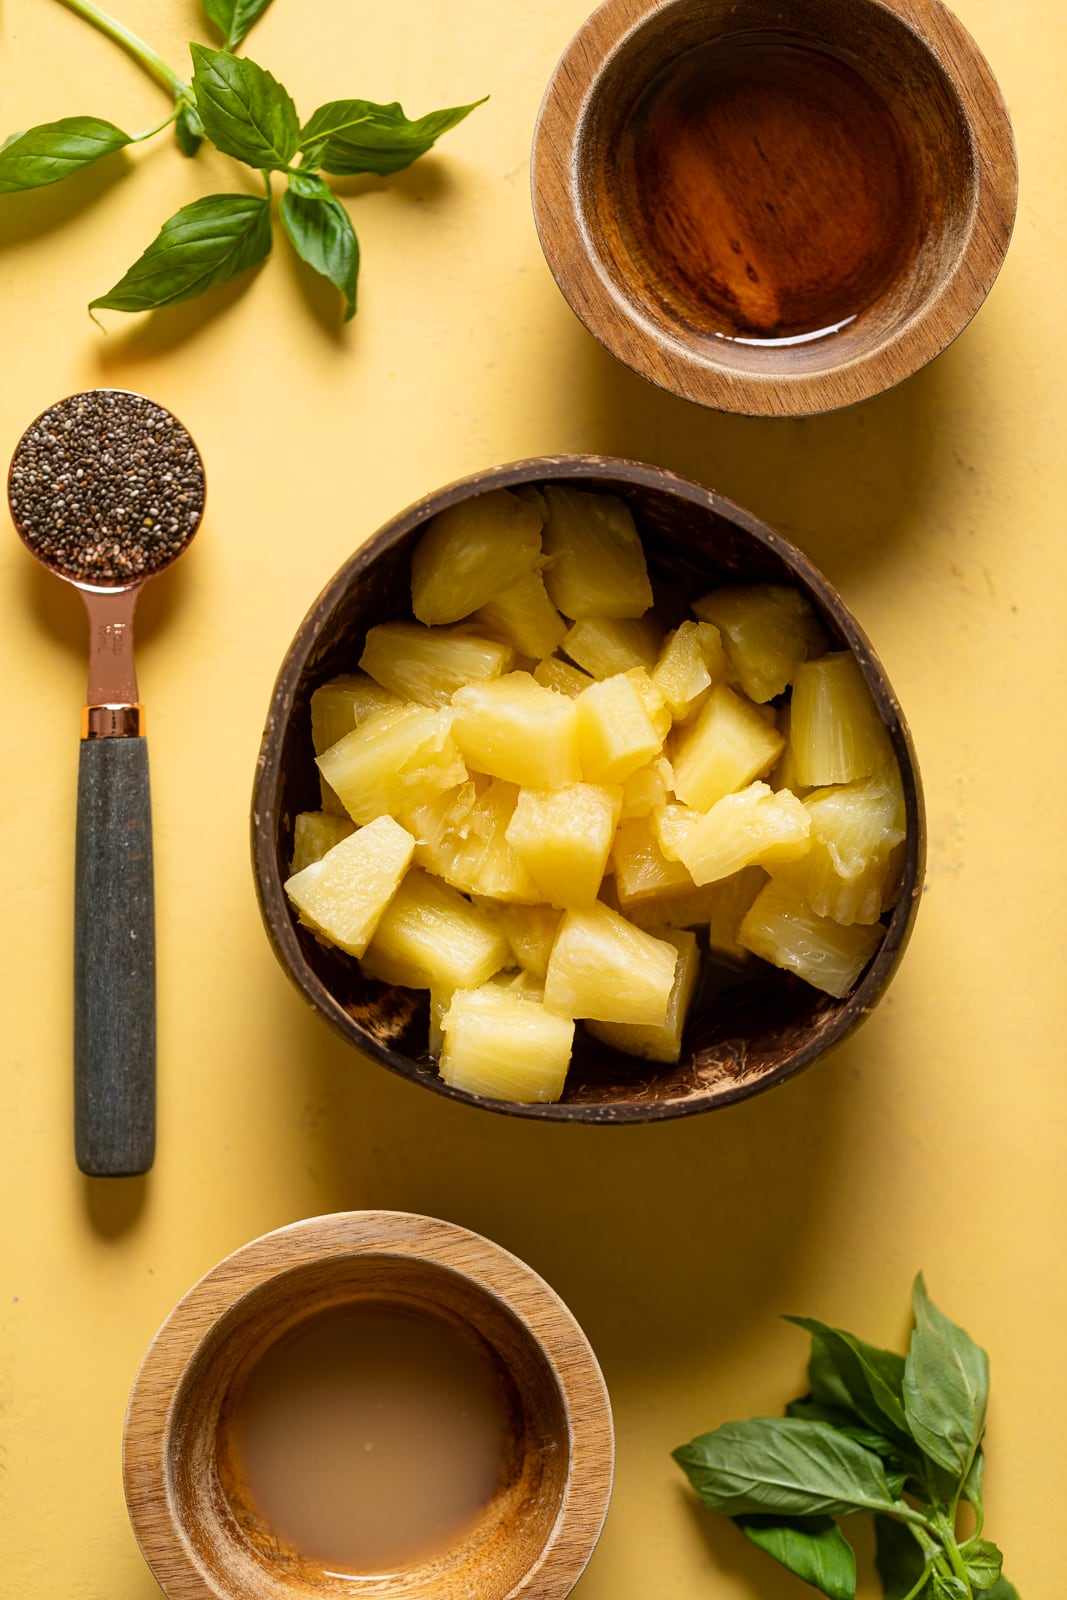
<point x="757" y="1028"/>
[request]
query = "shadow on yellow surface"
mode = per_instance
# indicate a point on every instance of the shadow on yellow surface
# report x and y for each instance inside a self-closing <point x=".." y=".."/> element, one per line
<point x="114" y="1205"/>
<point x="146" y="338"/>
<point x="696" y="1222"/>
<point x="847" y="486"/>
<point x="29" y="213"/>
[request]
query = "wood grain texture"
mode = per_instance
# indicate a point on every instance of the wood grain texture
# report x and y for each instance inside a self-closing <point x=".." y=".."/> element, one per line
<point x="197" y="1529"/>
<point x="957" y="197"/>
<point x="756" y="1035"/>
<point x="114" y="962"/>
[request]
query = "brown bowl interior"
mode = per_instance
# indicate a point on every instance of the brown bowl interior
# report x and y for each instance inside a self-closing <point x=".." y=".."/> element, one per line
<point x="908" y="80"/>
<point x="748" y="1030"/>
<point x="189" y="1504"/>
<point x="924" y="69"/>
<point x="211" y="1498"/>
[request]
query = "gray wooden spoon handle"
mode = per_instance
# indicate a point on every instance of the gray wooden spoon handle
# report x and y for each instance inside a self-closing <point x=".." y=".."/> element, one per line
<point x="114" y="962"/>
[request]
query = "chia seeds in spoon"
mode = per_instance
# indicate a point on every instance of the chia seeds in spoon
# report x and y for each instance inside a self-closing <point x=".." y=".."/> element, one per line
<point x="106" y="487"/>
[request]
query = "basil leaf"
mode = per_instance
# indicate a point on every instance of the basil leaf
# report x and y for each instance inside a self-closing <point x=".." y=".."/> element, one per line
<point x="322" y="235"/>
<point x="347" y="137"/>
<point x="983" y="1561"/>
<point x="814" y="1548"/>
<point x="309" y="184"/>
<point x="827" y="1386"/>
<point x="871" y="1378"/>
<point x="54" y="150"/>
<point x="972" y="1488"/>
<point x="946" y="1387"/>
<point x="778" y="1464"/>
<point x="188" y="130"/>
<point x="949" y="1588"/>
<point x="1001" y="1590"/>
<point x="233" y="18"/>
<point x="847" y="1423"/>
<point x="899" y="1559"/>
<point x="201" y="245"/>
<point x="245" y="111"/>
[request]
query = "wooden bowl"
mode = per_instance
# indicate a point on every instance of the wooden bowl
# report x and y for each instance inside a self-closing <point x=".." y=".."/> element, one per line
<point x="191" y="1517"/>
<point x="916" y="149"/>
<point x="741" y="1039"/>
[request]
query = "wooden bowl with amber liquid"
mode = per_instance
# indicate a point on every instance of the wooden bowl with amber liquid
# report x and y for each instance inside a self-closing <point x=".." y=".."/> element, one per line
<point x="774" y="210"/>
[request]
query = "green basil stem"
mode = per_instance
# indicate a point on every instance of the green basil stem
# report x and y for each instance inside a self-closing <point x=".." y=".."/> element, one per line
<point x="150" y="133"/>
<point x="136" y="46"/>
<point x="952" y="1551"/>
<point x="912" y="1594"/>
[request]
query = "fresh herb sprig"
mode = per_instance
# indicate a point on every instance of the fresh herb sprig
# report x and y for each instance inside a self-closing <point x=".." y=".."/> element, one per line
<point x="899" y="1438"/>
<point x="244" y="111"/>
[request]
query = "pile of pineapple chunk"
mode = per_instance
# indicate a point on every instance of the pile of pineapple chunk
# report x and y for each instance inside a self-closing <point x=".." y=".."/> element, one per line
<point x="542" y="804"/>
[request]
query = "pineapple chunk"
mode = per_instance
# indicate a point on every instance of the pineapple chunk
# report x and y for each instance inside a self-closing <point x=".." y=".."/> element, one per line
<point x="429" y="937"/>
<point x="390" y="756"/>
<point x="692" y="659"/>
<point x="603" y="646"/>
<point x="439" y="820"/>
<point x="662" y="1041"/>
<point x="512" y="728"/>
<point x="783" y="930"/>
<point x="472" y="551"/>
<point x="836" y="733"/>
<point x="642" y="871"/>
<point x="531" y="932"/>
<point x="505" y="1045"/>
<point x="428" y="665"/>
<point x="555" y="674"/>
<point x="343" y="896"/>
<point x="315" y="832"/>
<point x="767" y="631"/>
<point x="336" y="708"/>
<point x="562" y="837"/>
<point x="748" y="829"/>
<point x="524" y="616"/>
<point x="615" y="734"/>
<point x="647" y="788"/>
<point x="727" y="746"/>
<point x="656" y="707"/>
<point x="460" y="836"/>
<point x="596" y="561"/>
<point x="342" y="704"/>
<point x="681" y="908"/>
<point x="732" y="900"/>
<point x="854" y="830"/>
<point x="783" y="775"/>
<point x="608" y="895"/>
<point x="603" y="967"/>
<point x="440" y="1000"/>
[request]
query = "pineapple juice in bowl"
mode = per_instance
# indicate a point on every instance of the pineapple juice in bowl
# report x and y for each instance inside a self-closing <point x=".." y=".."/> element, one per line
<point x="495" y="732"/>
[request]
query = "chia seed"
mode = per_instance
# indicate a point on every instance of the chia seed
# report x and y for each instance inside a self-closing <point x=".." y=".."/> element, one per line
<point x="106" y="487"/>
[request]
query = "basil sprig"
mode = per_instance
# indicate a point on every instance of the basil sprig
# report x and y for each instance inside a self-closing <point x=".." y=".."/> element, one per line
<point x="242" y="109"/>
<point x="899" y="1438"/>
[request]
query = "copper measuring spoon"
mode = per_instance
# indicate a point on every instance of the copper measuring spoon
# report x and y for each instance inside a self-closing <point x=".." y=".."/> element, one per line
<point x="107" y="489"/>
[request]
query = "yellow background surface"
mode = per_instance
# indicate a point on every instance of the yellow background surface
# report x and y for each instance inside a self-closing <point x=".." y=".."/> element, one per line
<point x="936" y="1138"/>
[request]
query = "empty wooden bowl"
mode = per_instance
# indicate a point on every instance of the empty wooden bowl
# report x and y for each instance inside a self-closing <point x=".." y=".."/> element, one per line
<point x="775" y="211"/>
<point x="756" y="1031"/>
<point x="196" y="1522"/>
